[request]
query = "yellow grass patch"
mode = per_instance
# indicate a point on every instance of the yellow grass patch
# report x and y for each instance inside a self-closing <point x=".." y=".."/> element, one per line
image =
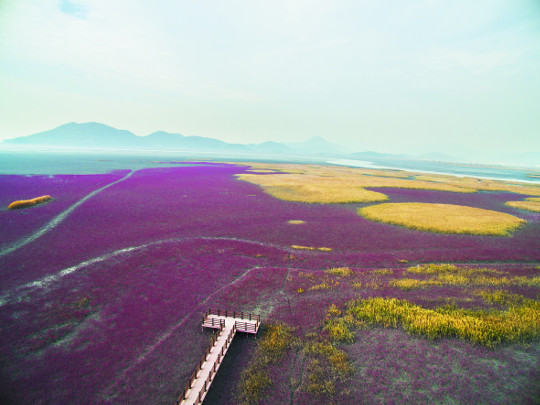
<point x="433" y="268"/>
<point x="303" y="247"/>
<point x="383" y="271"/>
<point x="489" y="328"/>
<point x="339" y="271"/>
<point x="503" y="298"/>
<point x="445" y="218"/>
<point x="325" y="285"/>
<point x="311" y="183"/>
<point x="29" y="203"/>
<point x="312" y="189"/>
<point x="530" y="204"/>
<point x="261" y="170"/>
<point x="460" y="280"/>
<point x="300" y="247"/>
<point x="296" y="222"/>
<point x="448" y="274"/>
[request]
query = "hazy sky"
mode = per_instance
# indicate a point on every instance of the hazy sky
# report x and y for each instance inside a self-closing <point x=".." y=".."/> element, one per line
<point x="396" y="76"/>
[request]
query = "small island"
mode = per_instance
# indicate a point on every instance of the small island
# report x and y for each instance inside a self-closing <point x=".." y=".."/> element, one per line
<point x="15" y="205"/>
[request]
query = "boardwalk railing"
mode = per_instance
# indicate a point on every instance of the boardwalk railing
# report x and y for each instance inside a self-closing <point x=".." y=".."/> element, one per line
<point x="246" y="326"/>
<point x="196" y="389"/>
<point x="213" y="370"/>
<point x="213" y="323"/>
<point x="234" y="314"/>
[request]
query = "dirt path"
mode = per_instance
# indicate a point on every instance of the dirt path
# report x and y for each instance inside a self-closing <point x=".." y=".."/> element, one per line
<point x="57" y="219"/>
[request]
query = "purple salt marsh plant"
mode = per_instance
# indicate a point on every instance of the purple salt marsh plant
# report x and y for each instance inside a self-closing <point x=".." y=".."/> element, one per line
<point x="156" y="204"/>
<point x="130" y="306"/>
<point x="126" y="327"/>
<point x="64" y="189"/>
<point x="394" y="366"/>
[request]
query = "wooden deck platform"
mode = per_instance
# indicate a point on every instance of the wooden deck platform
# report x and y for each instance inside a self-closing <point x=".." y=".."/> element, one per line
<point x="227" y="323"/>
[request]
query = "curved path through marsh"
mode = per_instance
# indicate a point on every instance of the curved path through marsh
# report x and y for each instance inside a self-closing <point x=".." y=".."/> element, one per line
<point x="57" y="219"/>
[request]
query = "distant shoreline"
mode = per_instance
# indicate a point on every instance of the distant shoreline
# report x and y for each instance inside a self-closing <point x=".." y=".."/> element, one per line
<point x="371" y="165"/>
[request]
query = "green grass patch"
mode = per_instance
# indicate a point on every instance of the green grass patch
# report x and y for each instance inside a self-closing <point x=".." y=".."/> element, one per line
<point x="488" y="327"/>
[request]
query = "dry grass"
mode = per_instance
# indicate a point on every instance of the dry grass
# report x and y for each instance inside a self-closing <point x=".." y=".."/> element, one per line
<point x="489" y="328"/>
<point x="337" y="184"/>
<point x="300" y="247"/>
<point x="445" y="218"/>
<point x="296" y="222"/>
<point x="15" y="205"/>
<point x="530" y="204"/>
<point x="448" y="274"/>
<point x="312" y="189"/>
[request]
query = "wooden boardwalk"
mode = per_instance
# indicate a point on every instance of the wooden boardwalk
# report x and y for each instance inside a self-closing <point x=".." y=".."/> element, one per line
<point x="228" y="323"/>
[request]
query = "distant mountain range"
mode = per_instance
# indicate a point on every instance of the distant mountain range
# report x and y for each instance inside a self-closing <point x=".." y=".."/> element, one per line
<point x="96" y="135"/>
<point x="101" y="136"/>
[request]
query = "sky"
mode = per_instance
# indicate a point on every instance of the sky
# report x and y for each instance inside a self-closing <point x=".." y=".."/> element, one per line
<point x="390" y="75"/>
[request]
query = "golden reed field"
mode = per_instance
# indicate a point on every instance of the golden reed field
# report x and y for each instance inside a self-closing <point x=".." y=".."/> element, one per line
<point x="445" y="218"/>
<point x="319" y="184"/>
<point x="289" y="180"/>
<point x="530" y="204"/>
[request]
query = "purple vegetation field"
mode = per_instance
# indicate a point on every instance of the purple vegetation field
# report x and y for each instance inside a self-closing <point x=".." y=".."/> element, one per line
<point x="65" y="189"/>
<point x="105" y="306"/>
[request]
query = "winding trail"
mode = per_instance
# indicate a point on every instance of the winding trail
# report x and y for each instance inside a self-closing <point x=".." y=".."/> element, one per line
<point x="45" y="281"/>
<point x="57" y="219"/>
<point x="14" y="293"/>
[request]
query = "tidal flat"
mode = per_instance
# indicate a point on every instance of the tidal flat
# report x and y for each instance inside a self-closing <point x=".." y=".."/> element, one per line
<point x="104" y="305"/>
